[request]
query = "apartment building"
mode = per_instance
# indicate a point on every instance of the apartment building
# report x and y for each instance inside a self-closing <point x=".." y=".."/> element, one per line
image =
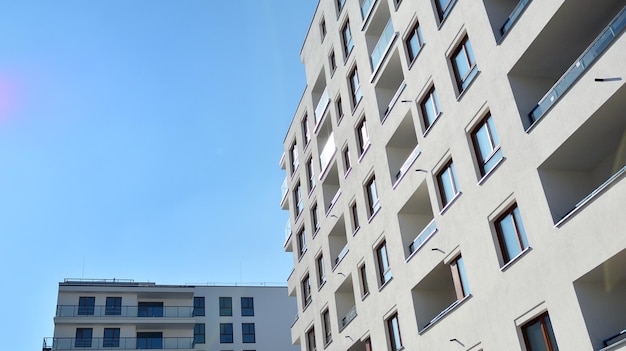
<point x="128" y="315"/>
<point x="455" y="176"/>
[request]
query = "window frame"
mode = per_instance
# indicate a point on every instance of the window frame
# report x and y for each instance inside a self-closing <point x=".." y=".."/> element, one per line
<point x="305" y="284"/>
<point x="111" y="337"/>
<point x="393" y="331"/>
<point x="248" y="333"/>
<point x="546" y="332"/>
<point x="373" y="198"/>
<point x="225" y="306"/>
<point x="354" y="216"/>
<point x="464" y="51"/>
<point x="226" y="333"/>
<point x="84" y="338"/>
<point x="199" y="333"/>
<point x="382" y="260"/>
<point x="315" y="219"/>
<point x="321" y="270"/>
<point x="113" y="306"/>
<point x="306" y="130"/>
<point x="444" y="11"/>
<point x="486" y="163"/>
<point x="459" y="277"/>
<point x="365" y="290"/>
<point x="199" y="306"/>
<point x="301" y="242"/>
<point x="293" y="156"/>
<point x="310" y="174"/>
<point x="363" y="137"/>
<point x="339" y="107"/>
<point x="504" y="239"/>
<point x="347" y="161"/>
<point x="332" y="61"/>
<point x="327" y="327"/>
<point x="310" y="340"/>
<point x="430" y="108"/>
<point x="247" y="306"/>
<point x="447" y="180"/>
<point x="416" y="32"/>
<point x="354" y="83"/>
<point x="347" y="41"/>
<point x="298" y="199"/>
<point x="86" y="305"/>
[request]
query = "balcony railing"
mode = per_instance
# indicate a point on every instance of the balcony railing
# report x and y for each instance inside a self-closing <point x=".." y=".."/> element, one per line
<point x="124" y="311"/>
<point x="382" y="46"/>
<point x="118" y="343"/>
<point x="366" y="7"/>
<point x="409" y="161"/>
<point x="615" y="342"/>
<point x="327" y="153"/>
<point x="589" y="56"/>
<point x="287" y="231"/>
<point x="342" y="254"/>
<point x="395" y="98"/>
<point x="517" y="11"/>
<point x="348" y="317"/>
<point x="421" y="238"/>
<point x="284" y="189"/>
<point x="321" y="106"/>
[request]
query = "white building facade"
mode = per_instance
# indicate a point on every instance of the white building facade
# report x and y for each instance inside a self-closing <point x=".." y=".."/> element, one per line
<point x="455" y="176"/>
<point x="128" y="315"/>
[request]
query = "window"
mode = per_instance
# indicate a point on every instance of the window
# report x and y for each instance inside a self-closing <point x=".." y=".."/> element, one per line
<point x="226" y="333"/>
<point x="297" y="198"/>
<point x="346" y="160"/>
<point x="373" y="202"/>
<point x="430" y="108"/>
<point x="86" y="305"/>
<point x="293" y="151"/>
<point x="511" y="234"/>
<point x="306" y="291"/>
<point x="414" y="42"/>
<point x="315" y="218"/>
<point x="363" y="136"/>
<point x="346" y="37"/>
<point x="486" y="145"/>
<point x="333" y="61"/>
<point x="199" y="333"/>
<point x="150" y="309"/>
<point x="538" y="334"/>
<point x="443" y="8"/>
<point x="310" y="174"/>
<point x="393" y="329"/>
<point x="247" y="333"/>
<point x="111" y="337"/>
<point x="354" y="214"/>
<point x="464" y="64"/>
<point x="321" y="271"/>
<point x="306" y="131"/>
<point x="323" y="28"/>
<point x="328" y="334"/>
<point x="83" y="337"/>
<point x="247" y="306"/>
<point x="226" y="306"/>
<point x="113" y="306"/>
<point x="301" y="243"/>
<point x="355" y="87"/>
<point x="310" y="340"/>
<point x="459" y="277"/>
<point x="446" y="180"/>
<point x="339" y="107"/>
<point x="198" y="306"/>
<point x="384" y="272"/>
<point x="149" y="340"/>
<point x="365" y="290"/>
<point x="340" y="4"/>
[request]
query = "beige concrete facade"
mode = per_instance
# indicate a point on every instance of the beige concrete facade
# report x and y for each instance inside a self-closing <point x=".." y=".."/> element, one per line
<point x="489" y="188"/>
<point x="128" y="315"/>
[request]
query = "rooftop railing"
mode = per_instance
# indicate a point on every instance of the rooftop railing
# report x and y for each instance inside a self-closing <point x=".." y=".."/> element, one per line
<point x="517" y="11"/>
<point x="168" y="343"/>
<point x="124" y="311"/>
<point x="383" y="43"/>
<point x="589" y="56"/>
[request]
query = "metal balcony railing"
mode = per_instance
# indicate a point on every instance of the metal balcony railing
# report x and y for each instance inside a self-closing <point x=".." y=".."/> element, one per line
<point x="167" y="343"/>
<point x="124" y="311"/>
<point x="589" y="56"/>
<point x="408" y="162"/>
<point x="421" y="238"/>
<point x="515" y="14"/>
<point x="348" y="317"/>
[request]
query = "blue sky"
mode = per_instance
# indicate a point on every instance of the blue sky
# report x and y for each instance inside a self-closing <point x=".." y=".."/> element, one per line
<point x="140" y="139"/>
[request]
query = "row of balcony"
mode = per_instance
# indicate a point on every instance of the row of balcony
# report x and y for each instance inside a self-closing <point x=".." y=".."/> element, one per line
<point x="125" y="311"/>
<point x="166" y="343"/>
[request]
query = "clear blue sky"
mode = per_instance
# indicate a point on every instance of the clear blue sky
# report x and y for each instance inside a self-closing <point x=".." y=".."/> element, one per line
<point x="141" y="139"/>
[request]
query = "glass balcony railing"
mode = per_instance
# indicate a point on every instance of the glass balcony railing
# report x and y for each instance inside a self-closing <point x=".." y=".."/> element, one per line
<point x="382" y="46"/>
<point x="321" y="106"/>
<point x="342" y="254"/>
<point x="589" y="56"/>
<point x="118" y="343"/>
<point x="284" y="189"/>
<point x="124" y="311"/>
<point x="409" y="161"/>
<point x="395" y="98"/>
<point x="366" y="7"/>
<point x="327" y="153"/>
<point x="287" y="230"/>
<point x="351" y="315"/>
<point x="517" y="11"/>
<point x="421" y="238"/>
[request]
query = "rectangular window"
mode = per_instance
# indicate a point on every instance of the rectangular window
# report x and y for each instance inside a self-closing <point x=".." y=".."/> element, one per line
<point x="247" y="306"/>
<point x="150" y="309"/>
<point x="538" y="334"/>
<point x="354" y="214"/>
<point x="393" y="329"/>
<point x="83" y="337"/>
<point x="113" y="306"/>
<point x="199" y="333"/>
<point x="346" y="160"/>
<point x="226" y="306"/>
<point x="111" y="337"/>
<point x="226" y="333"/>
<point x="321" y="270"/>
<point x="306" y="131"/>
<point x="363" y="137"/>
<point x="447" y="182"/>
<point x="86" y="305"/>
<point x="443" y="8"/>
<point x="297" y="198"/>
<point x="248" y="335"/>
<point x="293" y="152"/>
<point x="340" y="4"/>
<point x="323" y="28"/>
<point x="328" y="335"/>
<point x="373" y="202"/>
<point x="315" y="220"/>
<point x="310" y="340"/>
<point x="339" y="107"/>
<point x="301" y="243"/>
<point x="198" y="306"/>
<point x="459" y="277"/>
<point x="355" y="87"/>
<point x="464" y="64"/>
<point x="430" y="108"/>
<point x="511" y="234"/>
<point x="414" y="42"/>
<point x="486" y="145"/>
<point x="310" y="174"/>
<point x="149" y="340"/>
<point x="346" y="38"/>
<point x="306" y="291"/>
<point x="365" y="290"/>
<point x="332" y="60"/>
<point x="384" y="271"/>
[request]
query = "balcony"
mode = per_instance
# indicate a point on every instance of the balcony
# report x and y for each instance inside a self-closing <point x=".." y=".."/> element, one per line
<point x="341" y="255"/>
<point x="351" y="315"/>
<point x="328" y="151"/>
<point x="167" y="343"/>
<point x="517" y="12"/>
<point x="284" y="189"/>
<point x="383" y="45"/>
<point x="422" y="237"/>
<point x="322" y="104"/>
<point x="287" y="232"/>
<point x="408" y="162"/>
<point x="124" y="311"/>
<point x="615" y="342"/>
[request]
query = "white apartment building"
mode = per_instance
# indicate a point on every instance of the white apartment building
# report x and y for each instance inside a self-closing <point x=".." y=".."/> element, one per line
<point x="127" y="315"/>
<point x="455" y="177"/>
